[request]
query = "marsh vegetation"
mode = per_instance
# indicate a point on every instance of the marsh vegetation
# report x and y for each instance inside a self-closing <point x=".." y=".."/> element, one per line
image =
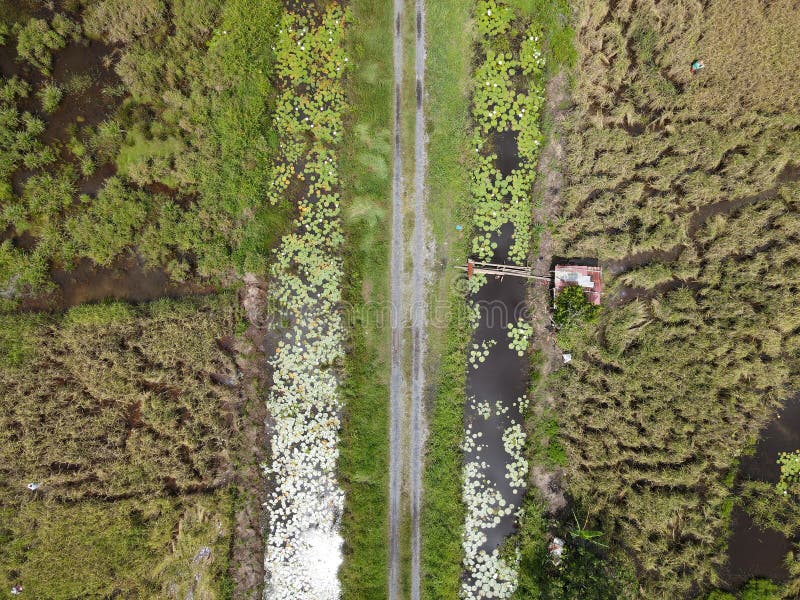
<point x="141" y="132"/>
<point x="124" y="419"/>
<point x="686" y="187"/>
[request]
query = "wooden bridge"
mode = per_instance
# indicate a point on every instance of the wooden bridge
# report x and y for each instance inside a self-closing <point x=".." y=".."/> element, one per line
<point x="479" y="268"/>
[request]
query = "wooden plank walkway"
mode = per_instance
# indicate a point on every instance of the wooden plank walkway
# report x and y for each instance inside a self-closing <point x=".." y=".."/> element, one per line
<point x="480" y="268"/>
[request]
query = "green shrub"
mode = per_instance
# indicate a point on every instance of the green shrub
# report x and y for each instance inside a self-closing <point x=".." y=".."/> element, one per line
<point x="109" y="223"/>
<point x="573" y="307"/>
<point x="50" y="96"/>
<point x="761" y="589"/>
<point x="35" y="41"/>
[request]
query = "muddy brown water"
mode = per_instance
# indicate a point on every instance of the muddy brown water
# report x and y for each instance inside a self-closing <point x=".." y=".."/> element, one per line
<point x="502" y="379"/>
<point x="128" y="280"/>
<point x="753" y="552"/>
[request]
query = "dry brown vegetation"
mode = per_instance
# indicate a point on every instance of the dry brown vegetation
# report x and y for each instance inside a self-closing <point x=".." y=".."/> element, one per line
<point x="686" y="188"/>
<point x="118" y="402"/>
<point x="125" y="417"/>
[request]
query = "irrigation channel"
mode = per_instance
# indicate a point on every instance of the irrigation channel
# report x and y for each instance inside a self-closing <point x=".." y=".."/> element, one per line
<point x="407" y="427"/>
<point x="501" y="382"/>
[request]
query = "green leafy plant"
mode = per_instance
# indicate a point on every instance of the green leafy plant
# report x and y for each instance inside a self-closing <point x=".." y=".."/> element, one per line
<point x="36" y="40"/>
<point x="588" y="535"/>
<point x="573" y="307"/>
<point x="520" y="336"/>
<point x="790" y="472"/>
<point x="761" y="589"/>
<point x="50" y="96"/>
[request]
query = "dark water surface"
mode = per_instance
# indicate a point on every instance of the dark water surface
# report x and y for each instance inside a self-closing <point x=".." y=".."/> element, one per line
<point x="502" y="379"/>
<point x="753" y="552"/>
<point x="507" y="152"/>
<point x="128" y="280"/>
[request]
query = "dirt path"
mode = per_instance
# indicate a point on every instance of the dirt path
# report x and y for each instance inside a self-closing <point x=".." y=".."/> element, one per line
<point x="397" y="379"/>
<point x="419" y="280"/>
<point x="409" y="317"/>
<point x="549" y="184"/>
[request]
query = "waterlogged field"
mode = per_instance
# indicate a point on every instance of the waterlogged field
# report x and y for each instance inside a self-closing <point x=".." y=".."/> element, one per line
<point x="135" y="138"/>
<point x="686" y="188"/>
<point x="303" y="551"/>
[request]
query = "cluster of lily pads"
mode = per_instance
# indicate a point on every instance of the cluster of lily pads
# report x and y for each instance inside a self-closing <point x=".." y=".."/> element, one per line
<point x="493" y="577"/>
<point x="790" y="472"/>
<point x="310" y="55"/>
<point x="508" y="97"/>
<point x="480" y="352"/>
<point x="487" y="575"/>
<point x="520" y="336"/>
<point x="514" y="445"/>
<point x="303" y="548"/>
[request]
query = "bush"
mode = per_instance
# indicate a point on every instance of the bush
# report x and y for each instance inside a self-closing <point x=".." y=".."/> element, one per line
<point x="572" y="307"/>
<point x="761" y="589"/>
<point x="108" y="224"/>
<point x="36" y="40"/>
<point x="121" y="21"/>
<point x="50" y="97"/>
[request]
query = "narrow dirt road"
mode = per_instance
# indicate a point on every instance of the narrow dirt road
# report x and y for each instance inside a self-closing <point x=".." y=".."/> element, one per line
<point x="398" y="313"/>
<point x="419" y="280"/>
<point x="408" y="294"/>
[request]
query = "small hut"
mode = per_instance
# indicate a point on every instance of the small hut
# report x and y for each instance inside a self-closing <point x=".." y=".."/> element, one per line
<point x="590" y="279"/>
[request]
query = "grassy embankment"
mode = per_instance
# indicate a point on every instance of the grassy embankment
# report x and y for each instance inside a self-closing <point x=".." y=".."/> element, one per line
<point x="686" y="188"/>
<point x="118" y="414"/>
<point x="364" y="460"/>
<point x="366" y="168"/>
<point x="450" y="38"/>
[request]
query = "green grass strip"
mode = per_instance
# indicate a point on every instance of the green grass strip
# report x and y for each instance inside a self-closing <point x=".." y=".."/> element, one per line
<point x="366" y="173"/>
<point x="448" y="75"/>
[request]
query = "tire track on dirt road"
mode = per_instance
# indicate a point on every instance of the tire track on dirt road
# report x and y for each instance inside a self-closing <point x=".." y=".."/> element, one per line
<point x="419" y="280"/>
<point x="409" y="302"/>
<point x="397" y="315"/>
